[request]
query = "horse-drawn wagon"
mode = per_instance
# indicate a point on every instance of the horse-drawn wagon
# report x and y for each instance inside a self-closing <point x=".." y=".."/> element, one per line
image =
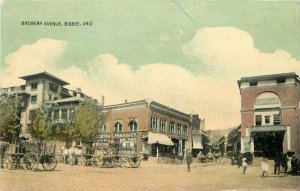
<point x="29" y="154"/>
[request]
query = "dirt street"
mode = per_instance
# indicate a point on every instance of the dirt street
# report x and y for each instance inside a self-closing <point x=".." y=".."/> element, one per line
<point x="149" y="176"/>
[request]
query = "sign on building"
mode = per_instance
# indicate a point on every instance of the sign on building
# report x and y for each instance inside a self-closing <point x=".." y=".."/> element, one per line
<point x="247" y="145"/>
<point x="124" y="142"/>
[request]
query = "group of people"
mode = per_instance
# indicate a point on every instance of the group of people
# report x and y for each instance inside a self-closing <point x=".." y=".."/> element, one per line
<point x="281" y="161"/>
<point x="71" y="153"/>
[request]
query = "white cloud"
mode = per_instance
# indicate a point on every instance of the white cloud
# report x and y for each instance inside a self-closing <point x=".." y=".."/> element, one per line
<point x="229" y="51"/>
<point x="31" y="58"/>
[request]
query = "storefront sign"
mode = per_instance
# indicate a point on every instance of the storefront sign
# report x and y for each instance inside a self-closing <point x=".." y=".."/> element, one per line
<point x="124" y="142"/>
<point x="267" y="101"/>
<point x="247" y="145"/>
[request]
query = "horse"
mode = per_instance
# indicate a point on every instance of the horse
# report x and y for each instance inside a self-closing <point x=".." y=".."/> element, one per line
<point x="65" y="152"/>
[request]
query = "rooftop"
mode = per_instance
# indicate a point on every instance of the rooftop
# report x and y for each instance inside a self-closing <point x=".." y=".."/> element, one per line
<point x="268" y="77"/>
<point x="45" y="75"/>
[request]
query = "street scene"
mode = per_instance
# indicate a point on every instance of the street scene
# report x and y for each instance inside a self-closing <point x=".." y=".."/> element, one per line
<point x="149" y="95"/>
<point x="218" y="175"/>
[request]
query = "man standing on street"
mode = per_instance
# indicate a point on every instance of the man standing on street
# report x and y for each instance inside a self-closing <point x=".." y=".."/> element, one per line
<point x="189" y="159"/>
<point x="277" y="163"/>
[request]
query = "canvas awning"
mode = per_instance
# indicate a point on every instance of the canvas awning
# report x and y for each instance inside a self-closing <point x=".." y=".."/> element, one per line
<point x="197" y="145"/>
<point x="267" y="128"/>
<point x="159" y="138"/>
<point x="197" y="142"/>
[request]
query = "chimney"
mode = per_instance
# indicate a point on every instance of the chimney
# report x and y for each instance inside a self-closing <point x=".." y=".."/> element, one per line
<point x="102" y="100"/>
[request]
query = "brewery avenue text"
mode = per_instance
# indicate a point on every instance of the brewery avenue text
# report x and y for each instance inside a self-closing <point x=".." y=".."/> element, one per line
<point x="57" y="23"/>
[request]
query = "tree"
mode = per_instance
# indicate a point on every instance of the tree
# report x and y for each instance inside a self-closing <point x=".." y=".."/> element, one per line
<point x="41" y="124"/>
<point x="64" y="132"/>
<point x="86" y="121"/>
<point x="10" y="111"/>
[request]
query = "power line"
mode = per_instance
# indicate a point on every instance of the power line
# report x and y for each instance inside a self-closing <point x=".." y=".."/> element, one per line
<point x="191" y="18"/>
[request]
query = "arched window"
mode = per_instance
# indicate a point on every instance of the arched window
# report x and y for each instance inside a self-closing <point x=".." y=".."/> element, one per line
<point x="102" y="128"/>
<point x="118" y="127"/>
<point x="132" y="125"/>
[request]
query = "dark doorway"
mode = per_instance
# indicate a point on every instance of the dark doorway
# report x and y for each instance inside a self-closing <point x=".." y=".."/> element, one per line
<point x="267" y="144"/>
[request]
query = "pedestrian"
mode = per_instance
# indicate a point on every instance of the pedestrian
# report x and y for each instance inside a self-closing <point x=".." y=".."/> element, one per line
<point x="239" y="160"/>
<point x="232" y="159"/>
<point x="265" y="167"/>
<point x="244" y="165"/>
<point x="277" y="161"/>
<point x="294" y="164"/>
<point x="189" y="159"/>
<point x="284" y="162"/>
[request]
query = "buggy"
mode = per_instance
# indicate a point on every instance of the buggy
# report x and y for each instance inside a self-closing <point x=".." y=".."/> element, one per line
<point x="29" y="154"/>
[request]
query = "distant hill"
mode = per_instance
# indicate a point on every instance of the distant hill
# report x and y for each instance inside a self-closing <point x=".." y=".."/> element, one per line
<point x="215" y="135"/>
<point x="219" y="133"/>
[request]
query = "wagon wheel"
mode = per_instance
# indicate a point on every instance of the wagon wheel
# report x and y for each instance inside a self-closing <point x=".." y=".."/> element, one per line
<point x="94" y="162"/>
<point x="49" y="162"/>
<point x="30" y="161"/>
<point x="7" y="162"/>
<point x="119" y="161"/>
<point x="99" y="162"/>
<point x="81" y="161"/>
<point x="110" y="162"/>
<point x="135" y="161"/>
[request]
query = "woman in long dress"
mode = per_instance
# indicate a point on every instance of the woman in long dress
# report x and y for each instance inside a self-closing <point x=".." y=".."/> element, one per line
<point x="265" y="167"/>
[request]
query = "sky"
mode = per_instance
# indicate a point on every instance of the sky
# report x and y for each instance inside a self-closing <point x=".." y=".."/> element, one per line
<point x="187" y="55"/>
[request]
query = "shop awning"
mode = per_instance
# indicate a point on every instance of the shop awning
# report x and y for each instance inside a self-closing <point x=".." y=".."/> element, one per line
<point x="159" y="138"/>
<point x="267" y="128"/>
<point x="197" y="142"/>
<point x="197" y="145"/>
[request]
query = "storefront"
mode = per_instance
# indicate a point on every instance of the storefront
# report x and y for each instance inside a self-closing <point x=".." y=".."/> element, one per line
<point x="270" y="114"/>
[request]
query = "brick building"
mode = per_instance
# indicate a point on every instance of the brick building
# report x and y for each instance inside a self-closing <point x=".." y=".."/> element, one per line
<point x="149" y="127"/>
<point x="270" y="114"/>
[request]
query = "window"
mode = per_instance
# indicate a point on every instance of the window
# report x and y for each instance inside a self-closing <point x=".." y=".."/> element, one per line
<point x="103" y="128"/>
<point x="258" y="120"/>
<point x="280" y="80"/>
<point x="64" y="113"/>
<point x="33" y="99"/>
<point x="53" y="87"/>
<point x="178" y="131"/>
<point x="267" y="119"/>
<point x="185" y="132"/>
<point x="163" y="125"/>
<point x="172" y="127"/>
<point x="32" y="113"/>
<point x="118" y="127"/>
<point x="154" y="123"/>
<point x="56" y="114"/>
<point x="276" y="119"/>
<point x="34" y="86"/>
<point x="71" y="113"/>
<point x="253" y="83"/>
<point x="133" y="126"/>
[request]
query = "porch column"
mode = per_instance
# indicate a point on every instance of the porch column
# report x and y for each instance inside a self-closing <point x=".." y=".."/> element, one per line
<point x="288" y="136"/>
<point x="68" y="114"/>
